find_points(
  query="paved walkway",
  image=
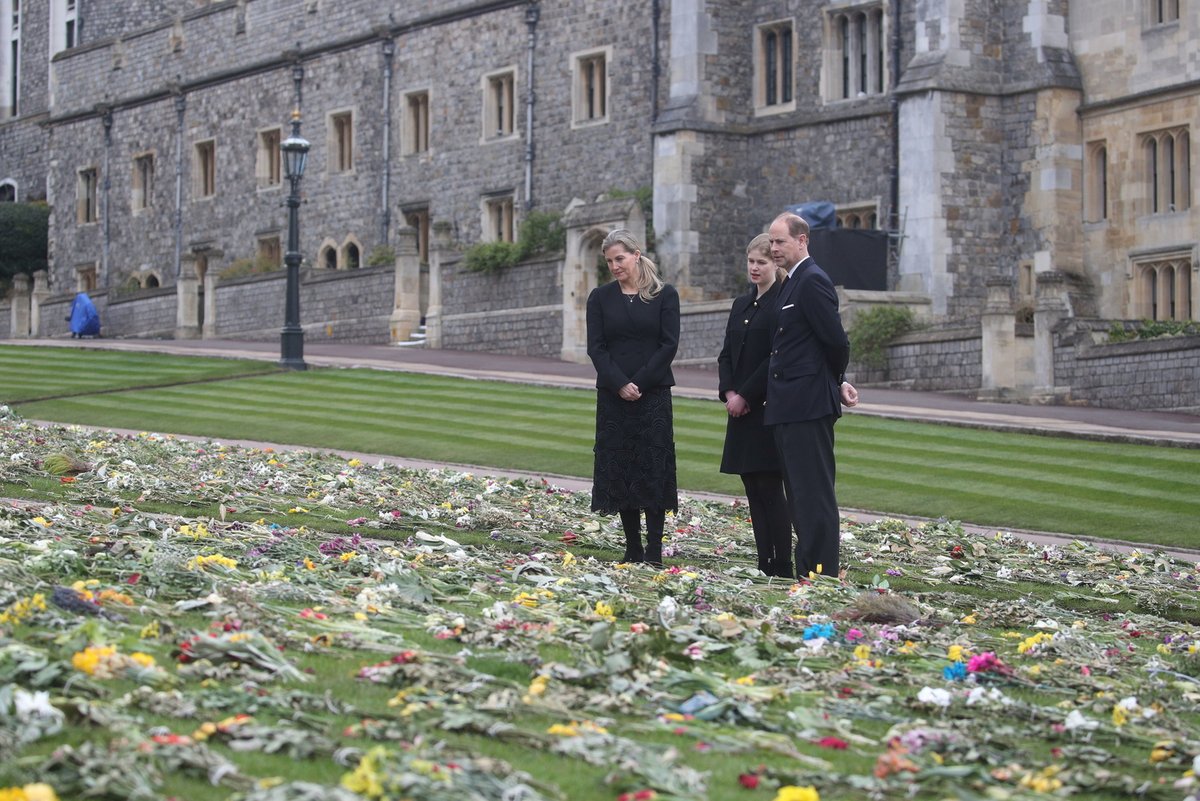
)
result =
(1161, 428)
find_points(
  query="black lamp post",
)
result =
(291, 339)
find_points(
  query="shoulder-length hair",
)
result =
(648, 282)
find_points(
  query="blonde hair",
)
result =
(648, 282)
(762, 244)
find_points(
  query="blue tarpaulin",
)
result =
(85, 321)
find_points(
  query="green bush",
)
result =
(381, 256)
(24, 232)
(1153, 329)
(540, 232)
(874, 329)
(249, 266)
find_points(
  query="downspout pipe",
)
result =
(532, 13)
(389, 54)
(656, 69)
(107, 119)
(180, 107)
(894, 102)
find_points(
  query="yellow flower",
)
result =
(955, 653)
(537, 688)
(1030, 643)
(969, 620)
(1120, 716)
(365, 779)
(1163, 750)
(348, 555)
(145, 660)
(605, 611)
(1043, 781)
(791, 792)
(862, 652)
(908, 647)
(568, 559)
(747, 681)
(149, 631)
(89, 658)
(308, 564)
(201, 562)
(41, 521)
(355, 462)
(526, 600)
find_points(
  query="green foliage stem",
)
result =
(874, 330)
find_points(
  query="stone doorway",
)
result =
(587, 224)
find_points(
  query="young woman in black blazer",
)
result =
(632, 336)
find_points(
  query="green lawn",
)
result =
(28, 373)
(1111, 490)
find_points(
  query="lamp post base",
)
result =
(291, 350)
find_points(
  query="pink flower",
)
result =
(982, 663)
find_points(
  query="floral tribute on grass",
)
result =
(198, 621)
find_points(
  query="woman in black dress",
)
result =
(632, 336)
(750, 445)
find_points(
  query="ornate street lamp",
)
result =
(291, 339)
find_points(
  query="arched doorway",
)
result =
(587, 225)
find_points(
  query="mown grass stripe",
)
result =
(986, 468)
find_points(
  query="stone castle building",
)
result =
(1028, 161)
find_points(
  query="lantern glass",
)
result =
(295, 155)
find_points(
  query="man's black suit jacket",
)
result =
(809, 352)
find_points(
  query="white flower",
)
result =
(816, 644)
(1077, 722)
(667, 609)
(934, 696)
(1004, 572)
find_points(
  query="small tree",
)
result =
(24, 232)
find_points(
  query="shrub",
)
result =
(540, 232)
(1153, 329)
(24, 232)
(381, 256)
(875, 329)
(249, 266)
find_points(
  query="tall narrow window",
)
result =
(774, 81)
(341, 142)
(267, 165)
(1163, 287)
(416, 138)
(14, 61)
(1168, 170)
(69, 24)
(1160, 12)
(591, 87)
(85, 278)
(86, 208)
(143, 182)
(499, 112)
(498, 219)
(418, 218)
(1095, 187)
(855, 63)
(205, 180)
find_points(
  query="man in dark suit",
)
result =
(809, 354)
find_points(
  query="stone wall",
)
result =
(518, 310)
(5, 319)
(342, 306)
(940, 360)
(1139, 374)
(147, 313)
(702, 332)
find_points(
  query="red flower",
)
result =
(134, 578)
(833, 742)
(749, 781)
